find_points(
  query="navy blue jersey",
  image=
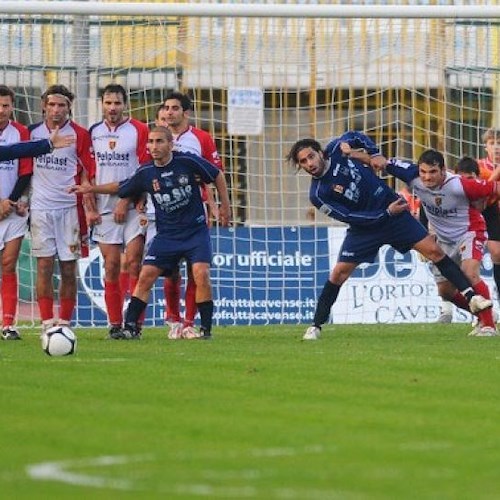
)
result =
(349, 191)
(24, 149)
(175, 191)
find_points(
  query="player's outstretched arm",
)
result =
(109, 188)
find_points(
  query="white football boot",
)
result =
(312, 333)
(175, 332)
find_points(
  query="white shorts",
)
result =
(11, 228)
(471, 246)
(55, 232)
(108, 231)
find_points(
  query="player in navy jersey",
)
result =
(182, 230)
(345, 189)
(175, 114)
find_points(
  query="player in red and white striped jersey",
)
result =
(57, 220)
(14, 179)
(119, 146)
(175, 114)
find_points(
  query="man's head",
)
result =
(491, 140)
(114, 101)
(160, 144)
(431, 168)
(467, 167)
(56, 105)
(6, 105)
(307, 154)
(175, 112)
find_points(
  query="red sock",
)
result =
(66, 308)
(460, 301)
(190, 298)
(172, 291)
(112, 298)
(486, 316)
(9, 298)
(46, 306)
(124, 280)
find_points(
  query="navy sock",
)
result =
(450, 270)
(134, 311)
(326, 300)
(206, 310)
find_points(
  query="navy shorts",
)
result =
(166, 253)
(401, 232)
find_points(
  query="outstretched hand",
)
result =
(378, 162)
(61, 141)
(397, 207)
(80, 188)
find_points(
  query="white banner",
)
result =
(397, 288)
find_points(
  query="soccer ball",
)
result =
(59, 341)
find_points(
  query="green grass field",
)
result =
(367, 412)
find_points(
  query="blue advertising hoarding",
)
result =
(259, 276)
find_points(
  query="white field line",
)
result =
(57, 471)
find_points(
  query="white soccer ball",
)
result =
(59, 341)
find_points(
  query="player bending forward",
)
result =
(344, 189)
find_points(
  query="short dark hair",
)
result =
(115, 88)
(7, 91)
(185, 101)
(432, 157)
(467, 165)
(61, 90)
(166, 131)
(301, 144)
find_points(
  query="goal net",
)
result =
(258, 84)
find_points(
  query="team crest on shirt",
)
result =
(156, 185)
(112, 144)
(438, 201)
(338, 188)
(183, 180)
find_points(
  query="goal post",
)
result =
(262, 75)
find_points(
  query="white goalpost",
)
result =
(261, 76)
